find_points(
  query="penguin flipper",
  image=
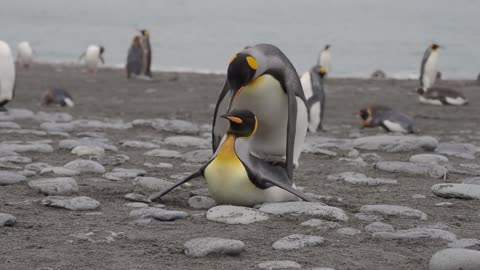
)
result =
(291, 131)
(220, 126)
(159, 194)
(422, 66)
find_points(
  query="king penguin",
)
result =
(137, 57)
(235, 176)
(24, 54)
(325, 58)
(429, 67)
(313, 87)
(441, 96)
(58, 96)
(92, 57)
(146, 42)
(390, 120)
(262, 79)
(7, 75)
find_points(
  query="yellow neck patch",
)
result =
(252, 62)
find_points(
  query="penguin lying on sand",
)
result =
(387, 118)
(235, 176)
(313, 87)
(58, 96)
(441, 96)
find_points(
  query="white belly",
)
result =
(266, 99)
(92, 56)
(24, 53)
(456, 101)
(315, 111)
(430, 72)
(7, 72)
(394, 127)
(306, 81)
(429, 101)
(325, 60)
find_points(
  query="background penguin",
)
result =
(262, 79)
(146, 42)
(24, 54)
(58, 96)
(92, 56)
(429, 67)
(387, 118)
(325, 58)
(313, 87)
(137, 57)
(7, 75)
(441, 96)
(234, 176)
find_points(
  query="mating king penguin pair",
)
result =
(428, 93)
(7, 75)
(258, 141)
(139, 57)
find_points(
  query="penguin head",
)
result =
(327, 47)
(322, 71)
(241, 70)
(421, 91)
(243, 123)
(434, 46)
(144, 32)
(102, 49)
(366, 117)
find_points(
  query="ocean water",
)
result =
(193, 35)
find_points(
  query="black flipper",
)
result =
(159, 194)
(422, 65)
(220, 126)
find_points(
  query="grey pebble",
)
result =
(455, 259)
(121, 173)
(297, 241)
(84, 150)
(136, 197)
(136, 205)
(199, 192)
(422, 169)
(152, 183)
(57, 127)
(379, 227)
(37, 166)
(16, 114)
(188, 141)
(71, 203)
(305, 208)
(161, 165)
(461, 150)
(91, 142)
(157, 214)
(272, 265)
(16, 159)
(55, 186)
(472, 181)
(7, 220)
(11, 125)
(201, 247)
(389, 143)
(138, 144)
(348, 231)
(393, 210)
(53, 117)
(59, 171)
(197, 156)
(113, 160)
(320, 224)
(460, 191)
(11, 178)
(360, 179)
(175, 125)
(230, 214)
(428, 158)
(417, 233)
(20, 148)
(164, 153)
(469, 243)
(201, 202)
(85, 166)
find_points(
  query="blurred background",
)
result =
(201, 36)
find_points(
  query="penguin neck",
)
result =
(228, 147)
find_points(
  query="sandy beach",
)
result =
(52, 238)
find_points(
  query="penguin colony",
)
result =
(261, 117)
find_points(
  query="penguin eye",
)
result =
(232, 59)
(252, 62)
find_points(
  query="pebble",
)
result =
(197, 156)
(379, 227)
(16, 114)
(16, 159)
(418, 196)
(389, 143)
(96, 124)
(20, 148)
(465, 169)
(157, 214)
(348, 231)
(27, 173)
(460, 191)
(57, 127)
(37, 166)
(138, 144)
(175, 125)
(422, 169)
(428, 158)
(199, 192)
(92, 142)
(188, 141)
(455, 259)
(322, 198)
(136, 205)
(121, 173)
(472, 181)
(461, 150)
(112, 160)
(371, 157)
(444, 204)
(360, 179)
(11, 125)
(85, 166)
(272, 265)
(393, 210)
(297, 241)
(417, 233)
(161, 165)
(8, 153)
(305, 208)
(7, 220)
(320, 224)
(10, 178)
(200, 247)
(83, 150)
(152, 183)
(469, 243)
(53, 117)
(201, 202)
(136, 197)
(319, 151)
(230, 214)
(59, 171)
(368, 217)
(163, 153)
(55, 186)
(71, 203)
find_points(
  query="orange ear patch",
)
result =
(252, 62)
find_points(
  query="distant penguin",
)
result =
(441, 96)
(7, 75)
(324, 59)
(24, 54)
(313, 87)
(387, 118)
(58, 96)
(92, 56)
(378, 75)
(146, 42)
(429, 66)
(137, 58)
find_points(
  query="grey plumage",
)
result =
(387, 118)
(317, 77)
(136, 59)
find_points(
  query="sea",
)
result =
(201, 36)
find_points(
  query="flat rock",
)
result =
(11, 178)
(160, 165)
(71, 203)
(99, 142)
(348, 231)
(272, 265)
(201, 202)
(428, 158)
(461, 150)
(297, 241)
(83, 150)
(157, 214)
(368, 217)
(15, 159)
(164, 153)
(21, 148)
(472, 181)
(136, 197)
(16, 114)
(416, 233)
(138, 144)
(7, 220)
(319, 151)
(379, 227)
(460, 191)
(121, 173)
(305, 208)
(175, 126)
(455, 259)
(197, 156)
(393, 210)
(360, 179)
(201, 247)
(188, 141)
(57, 127)
(136, 205)
(320, 224)
(55, 186)
(37, 166)
(10, 125)
(396, 143)
(85, 166)
(469, 243)
(471, 169)
(113, 160)
(423, 169)
(59, 171)
(152, 183)
(230, 214)
(97, 124)
(53, 117)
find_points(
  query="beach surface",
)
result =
(110, 238)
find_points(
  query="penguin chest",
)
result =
(306, 81)
(227, 179)
(431, 70)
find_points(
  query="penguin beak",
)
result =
(233, 119)
(236, 94)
